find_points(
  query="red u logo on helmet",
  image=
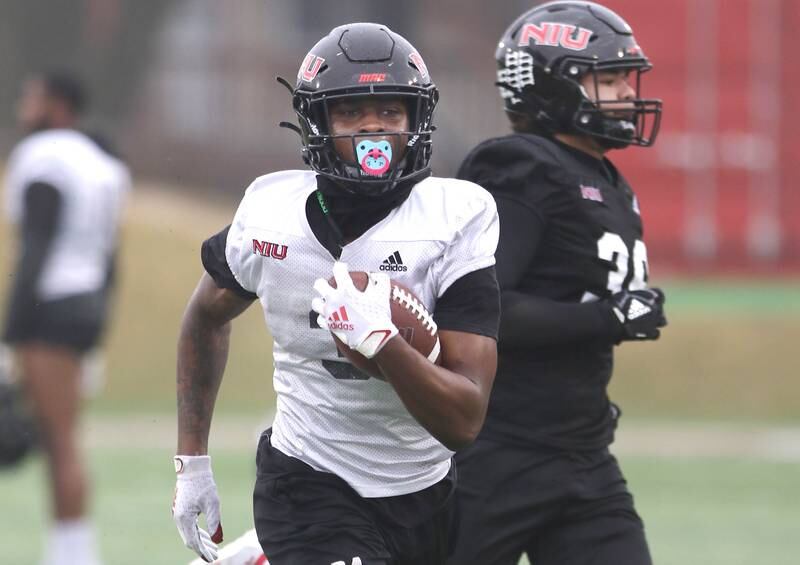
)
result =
(310, 67)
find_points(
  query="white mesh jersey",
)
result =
(355, 428)
(92, 185)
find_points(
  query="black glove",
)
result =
(639, 312)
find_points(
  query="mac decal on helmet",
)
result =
(545, 53)
(355, 60)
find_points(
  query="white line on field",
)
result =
(654, 439)
(663, 439)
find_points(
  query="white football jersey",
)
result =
(358, 429)
(92, 185)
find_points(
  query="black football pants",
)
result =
(306, 517)
(559, 507)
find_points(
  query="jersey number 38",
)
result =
(612, 248)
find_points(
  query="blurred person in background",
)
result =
(356, 469)
(64, 192)
(573, 273)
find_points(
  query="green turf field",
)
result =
(703, 511)
(726, 361)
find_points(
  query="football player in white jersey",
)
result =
(64, 191)
(354, 469)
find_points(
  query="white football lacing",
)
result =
(415, 307)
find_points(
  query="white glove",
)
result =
(361, 319)
(195, 494)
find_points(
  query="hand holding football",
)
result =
(414, 323)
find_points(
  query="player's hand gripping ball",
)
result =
(364, 311)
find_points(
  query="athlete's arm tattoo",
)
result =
(202, 355)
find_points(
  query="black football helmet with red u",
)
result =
(356, 60)
(546, 52)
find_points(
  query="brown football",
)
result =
(414, 323)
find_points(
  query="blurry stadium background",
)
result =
(710, 439)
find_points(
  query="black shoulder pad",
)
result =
(507, 164)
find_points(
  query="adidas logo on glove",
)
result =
(339, 320)
(637, 309)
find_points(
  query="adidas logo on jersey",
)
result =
(637, 309)
(339, 320)
(393, 263)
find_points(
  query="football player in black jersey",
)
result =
(573, 272)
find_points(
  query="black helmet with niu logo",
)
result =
(356, 60)
(546, 52)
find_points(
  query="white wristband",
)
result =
(189, 465)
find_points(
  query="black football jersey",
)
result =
(570, 236)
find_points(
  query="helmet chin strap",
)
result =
(619, 142)
(619, 132)
(607, 131)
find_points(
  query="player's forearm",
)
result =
(37, 235)
(449, 405)
(530, 321)
(22, 300)
(202, 355)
